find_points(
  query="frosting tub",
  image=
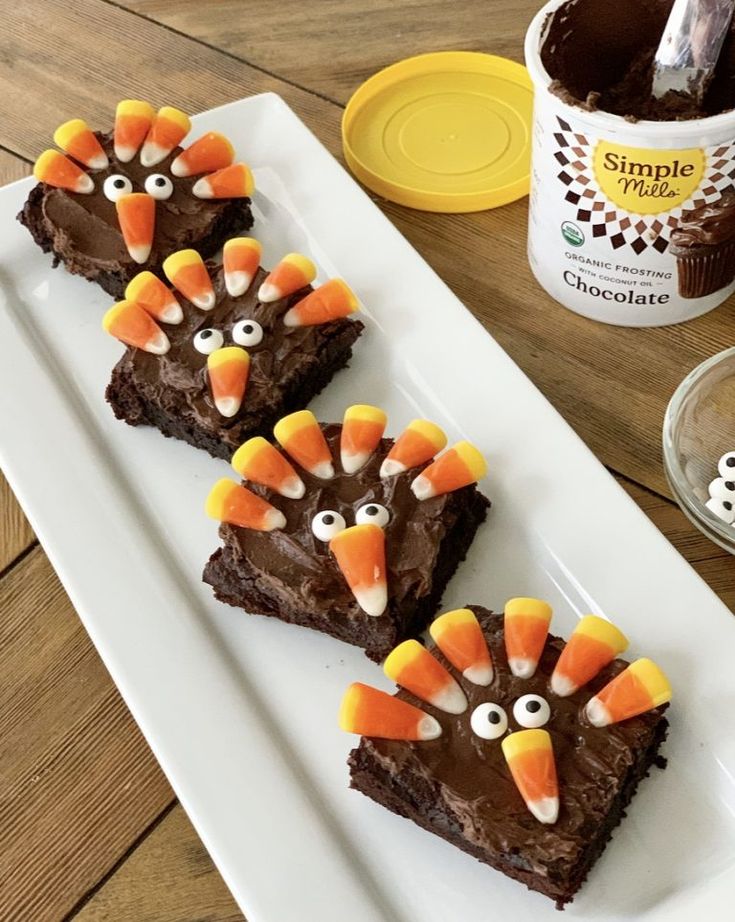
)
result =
(632, 208)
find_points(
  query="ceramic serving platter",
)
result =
(241, 711)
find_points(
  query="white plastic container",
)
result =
(606, 194)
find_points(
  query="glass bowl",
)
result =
(699, 427)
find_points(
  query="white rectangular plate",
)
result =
(241, 711)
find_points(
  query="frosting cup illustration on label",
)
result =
(632, 221)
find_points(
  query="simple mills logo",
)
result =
(634, 196)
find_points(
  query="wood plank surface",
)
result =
(88, 826)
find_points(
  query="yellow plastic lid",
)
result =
(449, 131)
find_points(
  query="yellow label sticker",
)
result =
(645, 181)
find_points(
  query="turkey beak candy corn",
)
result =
(189, 276)
(240, 261)
(170, 126)
(77, 140)
(228, 369)
(331, 301)
(234, 504)
(259, 461)
(360, 555)
(300, 435)
(59, 171)
(370, 712)
(292, 273)
(362, 429)
(131, 324)
(456, 468)
(416, 445)
(133, 120)
(136, 213)
(639, 688)
(594, 643)
(530, 758)
(526, 628)
(459, 636)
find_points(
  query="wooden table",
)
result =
(89, 828)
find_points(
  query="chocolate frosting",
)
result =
(178, 383)
(298, 569)
(470, 777)
(600, 55)
(707, 225)
(85, 228)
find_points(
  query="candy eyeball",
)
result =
(531, 711)
(726, 466)
(720, 488)
(327, 524)
(159, 186)
(208, 341)
(372, 514)
(115, 186)
(247, 333)
(489, 721)
(723, 508)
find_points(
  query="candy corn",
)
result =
(170, 126)
(240, 260)
(594, 643)
(411, 666)
(292, 273)
(261, 462)
(210, 152)
(133, 120)
(128, 322)
(526, 626)
(234, 181)
(77, 140)
(236, 505)
(416, 445)
(530, 758)
(370, 712)
(57, 170)
(362, 430)
(463, 464)
(136, 213)
(459, 636)
(188, 274)
(228, 370)
(360, 554)
(149, 291)
(301, 436)
(639, 688)
(330, 301)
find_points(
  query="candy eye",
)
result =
(207, 341)
(247, 333)
(159, 186)
(723, 508)
(489, 721)
(531, 711)
(116, 186)
(720, 488)
(327, 524)
(372, 514)
(726, 465)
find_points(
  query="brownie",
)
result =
(703, 243)
(83, 232)
(290, 574)
(287, 369)
(459, 787)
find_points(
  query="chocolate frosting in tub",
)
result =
(599, 54)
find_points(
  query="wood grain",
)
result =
(78, 783)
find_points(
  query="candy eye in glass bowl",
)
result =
(698, 435)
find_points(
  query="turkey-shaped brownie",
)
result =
(343, 530)
(231, 348)
(517, 747)
(109, 204)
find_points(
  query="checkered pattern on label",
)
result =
(639, 232)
